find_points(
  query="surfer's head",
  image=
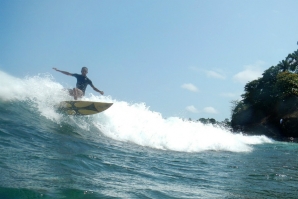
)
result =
(84, 71)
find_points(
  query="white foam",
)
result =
(128, 122)
(39, 91)
(136, 123)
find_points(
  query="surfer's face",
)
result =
(84, 71)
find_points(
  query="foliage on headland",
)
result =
(270, 100)
(225, 123)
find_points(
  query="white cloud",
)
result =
(192, 109)
(251, 72)
(214, 74)
(190, 87)
(210, 110)
(218, 74)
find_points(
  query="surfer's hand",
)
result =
(101, 92)
(55, 69)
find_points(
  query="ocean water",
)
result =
(129, 151)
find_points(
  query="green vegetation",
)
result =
(226, 123)
(263, 95)
(207, 121)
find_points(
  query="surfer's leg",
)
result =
(79, 93)
(70, 91)
(75, 94)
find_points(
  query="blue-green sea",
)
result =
(129, 151)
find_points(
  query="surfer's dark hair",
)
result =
(85, 68)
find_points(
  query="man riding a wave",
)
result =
(82, 83)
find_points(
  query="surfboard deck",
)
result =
(83, 107)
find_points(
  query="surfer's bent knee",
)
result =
(76, 93)
(79, 92)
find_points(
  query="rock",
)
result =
(281, 123)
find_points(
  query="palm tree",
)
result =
(283, 66)
(289, 58)
(294, 62)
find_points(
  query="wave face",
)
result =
(126, 122)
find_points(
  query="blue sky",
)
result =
(182, 58)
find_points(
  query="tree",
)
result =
(252, 92)
(207, 121)
(293, 61)
(262, 95)
(212, 121)
(286, 85)
(203, 120)
(283, 66)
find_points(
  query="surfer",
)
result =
(82, 83)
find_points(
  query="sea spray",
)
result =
(136, 123)
(40, 92)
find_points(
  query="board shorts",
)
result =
(79, 92)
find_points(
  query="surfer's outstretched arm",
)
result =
(94, 88)
(64, 72)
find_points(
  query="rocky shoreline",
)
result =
(281, 124)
